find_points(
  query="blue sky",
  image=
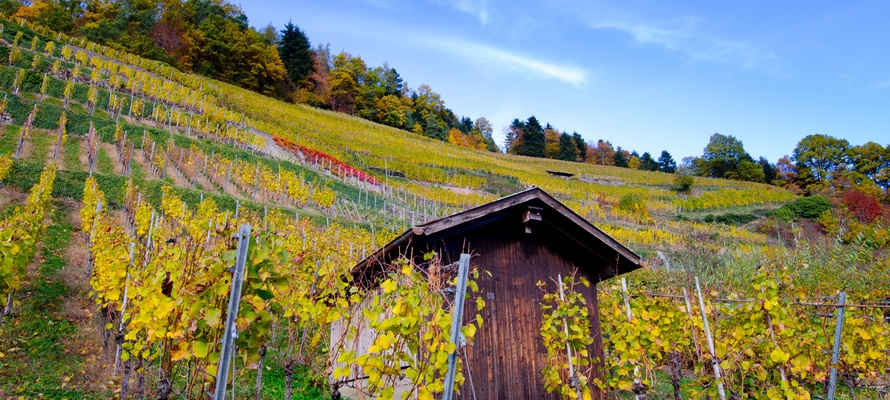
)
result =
(645, 75)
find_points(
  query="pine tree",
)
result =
(568, 150)
(513, 141)
(581, 145)
(769, 169)
(666, 163)
(296, 52)
(647, 163)
(620, 158)
(533, 140)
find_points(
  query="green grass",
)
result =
(76, 108)
(71, 155)
(273, 384)
(40, 144)
(7, 210)
(662, 389)
(136, 171)
(100, 114)
(53, 100)
(104, 163)
(8, 139)
(36, 362)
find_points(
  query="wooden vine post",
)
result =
(691, 324)
(638, 388)
(119, 337)
(565, 328)
(704, 317)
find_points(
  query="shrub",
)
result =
(683, 181)
(864, 207)
(806, 207)
(785, 214)
(730, 219)
(829, 223)
(631, 203)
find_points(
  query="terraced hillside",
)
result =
(173, 163)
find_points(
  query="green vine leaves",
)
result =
(565, 329)
(406, 320)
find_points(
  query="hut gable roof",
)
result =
(589, 247)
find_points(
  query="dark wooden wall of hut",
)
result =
(507, 355)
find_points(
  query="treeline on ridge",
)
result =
(213, 38)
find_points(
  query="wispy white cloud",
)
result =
(882, 85)
(685, 38)
(493, 57)
(688, 36)
(478, 9)
(383, 4)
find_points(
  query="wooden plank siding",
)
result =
(519, 240)
(507, 357)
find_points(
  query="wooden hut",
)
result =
(520, 239)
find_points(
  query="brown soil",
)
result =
(78, 309)
(52, 150)
(83, 154)
(174, 173)
(460, 190)
(125, 222)
(208, 184)
(27, 148)
(140, 158)
(11, 197)
(200, 181)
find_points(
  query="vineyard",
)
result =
(219, 228)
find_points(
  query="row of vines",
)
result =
(20, 234)
(776, 344)
(161, 285)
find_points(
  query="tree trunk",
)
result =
(165, 387)
(140, 379)
(125, 381)
(675, 375)
(8, 309)
(639, 389)
(259, 372)
(288, 379)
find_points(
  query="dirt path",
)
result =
(173, 172)
(52, 151)
(83, 155)
(9, 197)
(50, 343)
(27, 147)
(188, 173)
(207, 184)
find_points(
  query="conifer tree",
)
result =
(581, 145)
(568, 150)
(620, 158)
(533, 141)
(666, 162)
(296, 52)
